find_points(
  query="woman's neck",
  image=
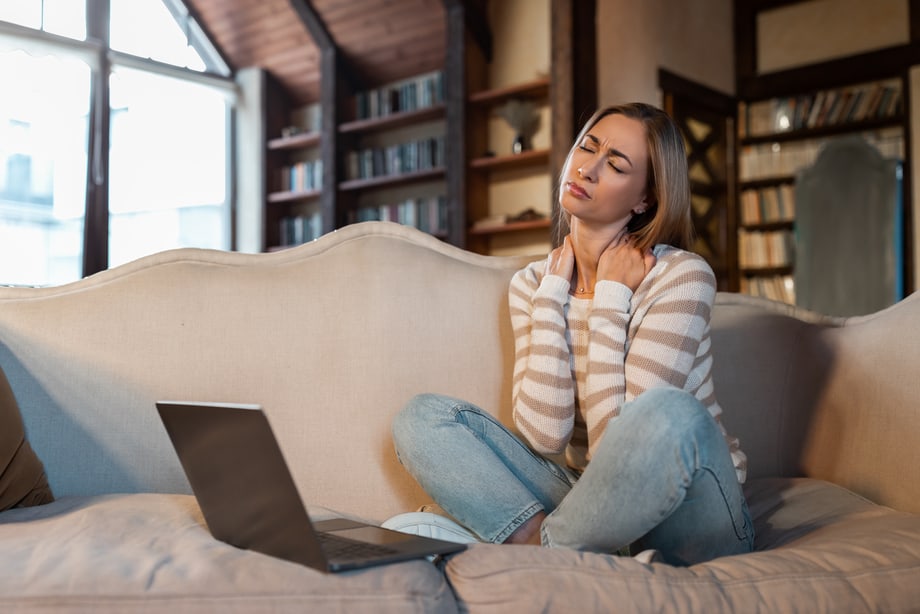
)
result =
(588, 247)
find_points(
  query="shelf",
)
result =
(512, 227)
(288, 196)
(538, 88)
(765, 182)
(766, 271)
(824, 131)
(304, 139)
(532, 157)
(394, 120)
(390, 180)
(766, 226)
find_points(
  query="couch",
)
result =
(332, 338)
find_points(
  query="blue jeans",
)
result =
(661, 477)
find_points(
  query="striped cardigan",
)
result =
(577, 361)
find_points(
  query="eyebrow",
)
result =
(610, 152)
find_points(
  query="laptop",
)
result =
(249, 499)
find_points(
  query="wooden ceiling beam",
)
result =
(477, 23)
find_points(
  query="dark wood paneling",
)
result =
(377, 41)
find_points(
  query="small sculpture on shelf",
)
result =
(524, 119)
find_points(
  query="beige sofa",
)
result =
(332, 338)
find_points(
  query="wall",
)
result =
(635, 39)
(847, 27)
(249, 165)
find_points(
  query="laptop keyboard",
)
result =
(342, 548)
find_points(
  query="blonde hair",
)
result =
(667, 217)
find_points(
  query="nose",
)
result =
(588, 171)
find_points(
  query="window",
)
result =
(142, 144)
(43, 144)
(167, 187)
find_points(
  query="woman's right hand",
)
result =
(624, 263)
(561, 261)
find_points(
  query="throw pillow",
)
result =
(22, 476)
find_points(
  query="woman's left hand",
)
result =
(624, 263)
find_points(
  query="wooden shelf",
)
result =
(825, 131)
(766, 271)
(394, 120)
(765, 182)
(512, 227)
(304, 139)
(290, 196)
(538, 88)
(766, 226)
(532, 157)
(390, 180)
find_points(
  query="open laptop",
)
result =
(249, 499)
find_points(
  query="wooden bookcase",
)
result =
(463, 170)
(485, 168)
(784, 118)
(781, 136)
(391, 159)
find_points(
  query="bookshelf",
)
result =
(493, 163)
(367, 132)
(393, 162)
(295, 180)
(781, 136)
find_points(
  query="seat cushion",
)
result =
(820, 548)
(22, 476)
(153, 553)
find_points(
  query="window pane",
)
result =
(24, 12)
(147, 29)
(66, 18)
(43, 142)
(167, 166)
(63, 17)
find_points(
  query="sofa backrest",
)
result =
(333, 337)
(830, 398)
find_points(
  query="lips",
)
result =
(576, 190)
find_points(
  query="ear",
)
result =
(641, 207)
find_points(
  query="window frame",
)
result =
(101, 58)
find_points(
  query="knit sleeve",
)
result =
(656, 345)
(543, 394)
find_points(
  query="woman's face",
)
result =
(605, 176)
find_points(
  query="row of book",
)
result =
(302, 176)
(297, 229)
(765, 249)
(824, 108)
(422, 154)
(774, 287)
(427, 214)
(772, 160)
(407, 95)
(768, 205)
(776, 159)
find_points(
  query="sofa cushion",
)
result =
(153, 553)
(22, 476)
(820, 548)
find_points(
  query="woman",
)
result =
(612, 368)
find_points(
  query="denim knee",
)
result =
(671, 413)
(418, 416)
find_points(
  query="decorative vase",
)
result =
(520, 144)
